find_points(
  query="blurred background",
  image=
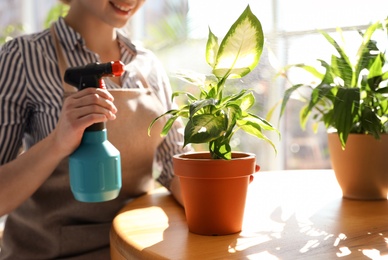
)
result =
(177, 30)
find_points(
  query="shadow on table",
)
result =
(333, 231)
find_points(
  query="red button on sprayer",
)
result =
(117, 68)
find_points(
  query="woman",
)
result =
(45, 221)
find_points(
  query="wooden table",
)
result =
(289, 215)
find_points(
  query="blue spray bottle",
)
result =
(95, 166)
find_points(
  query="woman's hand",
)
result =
(32, 168)
(80, 110)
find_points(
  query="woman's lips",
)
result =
(123, 8)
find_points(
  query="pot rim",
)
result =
(359, 136)
(200, 154)
(193, 165)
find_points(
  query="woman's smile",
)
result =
(121, 7)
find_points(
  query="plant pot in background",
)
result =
(362, 168)
(214, 191)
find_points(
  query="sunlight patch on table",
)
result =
(145, 235)
(244, 243)
(263, 255)
(373, 254)
(313, 243)
(339, 238)
(344, 251)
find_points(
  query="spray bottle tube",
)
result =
(95, 166)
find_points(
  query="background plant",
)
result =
(9, 32)
(351, 96)
(213, 117)
(55, 12)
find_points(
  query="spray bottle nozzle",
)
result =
(117, 68)
(90, 74)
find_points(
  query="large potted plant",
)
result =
(350, 99)
(214, 182)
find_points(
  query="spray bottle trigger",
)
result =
(101, 83)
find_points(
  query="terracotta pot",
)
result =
(214, 191)
(362, 168)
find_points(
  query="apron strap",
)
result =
(140, 76)
(62, 63)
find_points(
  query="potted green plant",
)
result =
(350, 99)
(212, 117)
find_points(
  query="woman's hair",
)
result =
(65, 1)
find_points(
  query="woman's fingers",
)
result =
(79, 111)
(90, 91)
(93, 104)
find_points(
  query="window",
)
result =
(291, 31)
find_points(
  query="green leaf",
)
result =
(203, 129)
(244, 100)
(168, 125)
(247, 101)
(374, 82)
(188, 94)
(232, 112)
(364, 51)
(385, 76)
(264, 124)
(171, 112)
(198, 105)
(318, 94)
(211, 49)
(220, 149)
(313, 71)
(234, 98)
(341, 68)
(287, 96)
(383, 90)
(346, 107)
(241, 48)
(375, 73)
(371, 123)
(191, 77)
(340, 50)
(174, 114)
(328, 77)
(254, 125)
